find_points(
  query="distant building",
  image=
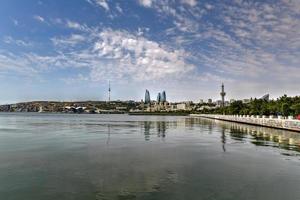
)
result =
(205, 108)
(246, 100)
(121, 108)
(219, 103)
(181, 106)
(147, 97)
(223, 93)
(227, 103)
(201, 101)
(266, 97)
(209, 101)
(158, 97)
(163, 97)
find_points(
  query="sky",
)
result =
(70, 50)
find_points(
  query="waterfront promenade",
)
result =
(273, 122)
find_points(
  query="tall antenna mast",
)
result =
(223, 93)
(109, 91)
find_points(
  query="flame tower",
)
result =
(147, 97)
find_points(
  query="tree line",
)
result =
(285, 106)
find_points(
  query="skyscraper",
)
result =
(163, 97)
(222, 95)
(159, 97)
(147, 97)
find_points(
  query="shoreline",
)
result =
(283, 124)
(160, 113)
(108, 113)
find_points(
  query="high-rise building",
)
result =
(158, 97)
(209, 101)
(223, 95)
(147, 97)
(163, 97)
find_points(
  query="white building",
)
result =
(181, 106)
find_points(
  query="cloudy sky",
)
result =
(69, 50)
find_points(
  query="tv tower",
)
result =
(109, 91)
(223, 93)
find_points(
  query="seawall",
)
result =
(286, 124)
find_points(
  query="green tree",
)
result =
(265, 109)
(236, 107)
(296, 108)
(285, 109)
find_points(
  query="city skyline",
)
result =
(63, 50)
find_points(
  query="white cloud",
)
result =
(208, 6)
(39, 18)
(119, 9)
(244, 41)
(146, 3)
(139, 58)
(101, 3)
(77, 26)
(11, 40)
(71, 40)
(255, 41)
(16, 22)
(10, 63)
(185, 18)
(190, 2)
(74, 25)
(114, 54)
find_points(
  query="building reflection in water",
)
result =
(223, 139)
(158, 128)
(147, 127)
(257, 135)
(266, 136)
(161, 128)
(108, 134)
(261, 136)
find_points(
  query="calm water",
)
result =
(56, 156)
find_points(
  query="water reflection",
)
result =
(108, 134)
(266, 136)
(106, 157)
(260, 136)
(223, 139)
(160, 128)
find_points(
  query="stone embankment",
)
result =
(270, 121)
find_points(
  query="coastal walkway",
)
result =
(272, 122)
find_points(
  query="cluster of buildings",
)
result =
(152, 106)
(210, 104)
(161, 104)
(147, 105)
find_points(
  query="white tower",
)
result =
(223, 95)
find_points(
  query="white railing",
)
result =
(288, 123)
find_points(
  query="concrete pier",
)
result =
(271, 121)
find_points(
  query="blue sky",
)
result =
(69, 50)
